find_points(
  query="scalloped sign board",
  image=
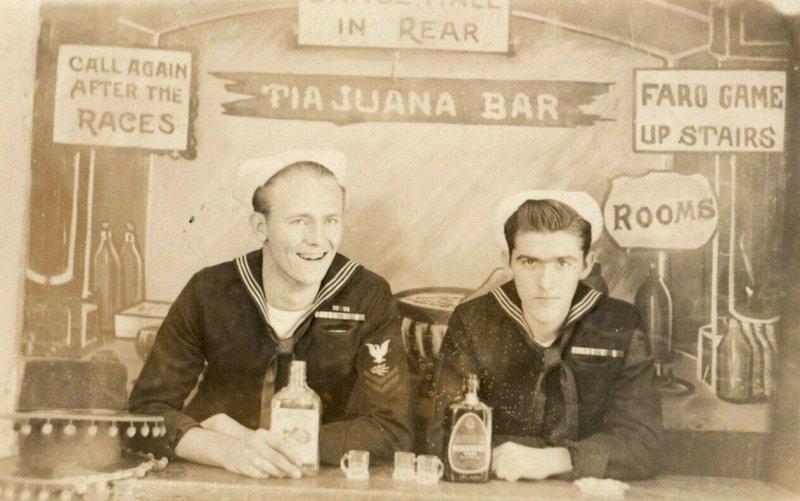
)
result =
(122, 97)
(709, 111)
(661, 210)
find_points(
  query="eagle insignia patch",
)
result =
(380, 377)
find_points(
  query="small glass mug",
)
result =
(355, 465)
(404, 466)
(429, 469)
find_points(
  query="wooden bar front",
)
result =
(189, 481)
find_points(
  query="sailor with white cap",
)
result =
(242, 322)
(256, 172)
(566, 368)
(579, 201)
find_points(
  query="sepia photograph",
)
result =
(400, 249)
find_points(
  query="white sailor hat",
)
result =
(581, 202)
(255, 172)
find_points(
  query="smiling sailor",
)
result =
(567, 370)
(240, 324)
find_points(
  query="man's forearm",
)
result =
(227, 425)
(512, 461)
(560, 460)
(204, 446)
(255, 453)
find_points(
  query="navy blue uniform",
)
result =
(592, 391)
(218, 327)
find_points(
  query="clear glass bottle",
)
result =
(296, 410)
(468, 436)
(132, 270)
(106, 283)
(758, 361)
(735, 365)
(654, 305)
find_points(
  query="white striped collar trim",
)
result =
(251, 284)
(326, 292)
(583, 306)
(577, 310)
(511, 309)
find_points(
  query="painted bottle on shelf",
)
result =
(735, 365)
(132, 269)
(295, 415)
(770, 354)
(758, 361)
(653, 303)
(106, 283)
(468, 437)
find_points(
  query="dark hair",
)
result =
(547, 216)
(260, 201)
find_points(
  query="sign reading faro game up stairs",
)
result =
(709, 111)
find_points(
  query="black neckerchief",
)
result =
(583, 301)
(249, 267)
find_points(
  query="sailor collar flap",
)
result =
(583, 302)
(249, 268)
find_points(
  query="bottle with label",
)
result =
(468, 437)
(296, 414)
(106, 283)
(655, 307)
(132, 270)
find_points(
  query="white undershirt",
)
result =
(546, 344)
(283, 322)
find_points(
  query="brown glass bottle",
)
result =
(106, 280)
(131, 270)
(468, 437)
(653, 302)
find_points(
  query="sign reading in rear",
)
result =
(464, 25)
(709, 111)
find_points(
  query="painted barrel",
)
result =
(425, 313)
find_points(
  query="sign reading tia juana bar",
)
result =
(709, 111)
(348, 99)
(123, 97)
(661, 210)
(466, 25)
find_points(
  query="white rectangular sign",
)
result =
(122, 97)
(709, 111)
(464, 25)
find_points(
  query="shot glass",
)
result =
(355, 465)
(429, 469)
(404, 466)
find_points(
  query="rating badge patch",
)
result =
(380, 377)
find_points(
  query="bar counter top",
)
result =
(182, 480)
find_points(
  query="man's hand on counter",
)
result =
(227, 444)
(511, 461)
(223, 423)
